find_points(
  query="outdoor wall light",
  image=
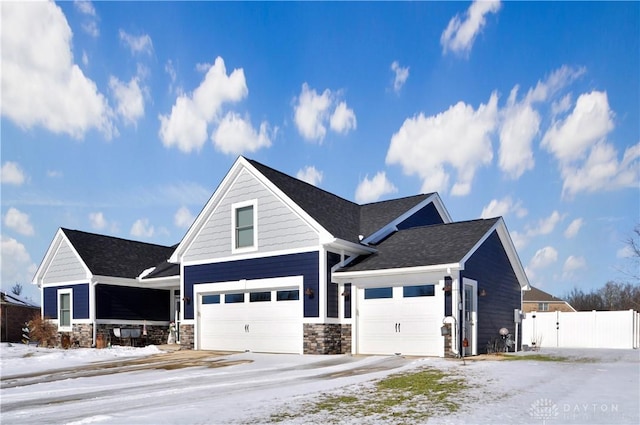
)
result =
(482, 292)
(309, 292)
(187, 300)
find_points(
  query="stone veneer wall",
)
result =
(82, 335)
(186, 337)
(447, 343)
(326, 338)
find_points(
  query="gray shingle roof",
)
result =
(424, 246)
(342, 218)
(111, 256)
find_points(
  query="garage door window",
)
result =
(418, 291)
(211, 299)
(293, 295)
(259, 296)
(376, 293)
(234, 298)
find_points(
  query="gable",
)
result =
(63, 263)
(278, 226)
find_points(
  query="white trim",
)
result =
(474, 314)
(59, 292)
(66, 283)
(253, 203)
(251, 256)
(346, 276)
(501, 229)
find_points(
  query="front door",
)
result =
(469, 311)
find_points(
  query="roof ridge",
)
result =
(419, 195)
(475, 220)
(64, 229)
(314, 187)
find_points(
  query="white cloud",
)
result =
(519, 240)
(18, 221)
(310, 175)
(17, 265)
(183, 217)
(587, 162)
(311, 113)
(625, 252)
(520, 124)
(129, 99)
(459, 35)
(544, 257)
(502, 207)
(54, 174)
(11, 173)
(90, 24)
(41, 85)
(374, 189)
(142, 229)
(186, 126)
(137, 44)
(459, 138)
(171, 71)
(401, 75)
(97, 220)
(556, 81)
(545, 225)
(573, 228)
(589, 123)
(235, 135)
(343, 119)
(571, 265)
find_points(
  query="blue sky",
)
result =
(122, 118)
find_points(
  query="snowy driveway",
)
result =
(145, 386)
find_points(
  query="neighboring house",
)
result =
(92, 283)
(537, 300)
(14, 313)
(274, 264)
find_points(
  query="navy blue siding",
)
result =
(128, 303)
(80, 301)
(491, 268)
(304, 264)
(332, 288)
(423, 217)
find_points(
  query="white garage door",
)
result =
(259, 320)
(400, 320)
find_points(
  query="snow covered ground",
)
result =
(144, 386)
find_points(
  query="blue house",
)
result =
(273, 264)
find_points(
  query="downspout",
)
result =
(92, 312)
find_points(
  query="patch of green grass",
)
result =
(405, 398)
(547, 358)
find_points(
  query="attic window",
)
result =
(244, 226)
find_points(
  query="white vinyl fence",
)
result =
(582, 329)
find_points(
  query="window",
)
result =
(244, 226)
(211, 299)
(375, 293)
(64, 309)
(418, 291)
(255, 297)
(234, 298)
(543, 306)
(293, 295)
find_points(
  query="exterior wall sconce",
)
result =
(447, 287)
(482, 292)
(187, 300)
(346, 293)
(309, 292)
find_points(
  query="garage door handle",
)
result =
(397, 327)
(246, 328)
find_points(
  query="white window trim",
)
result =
(234, 207)
(68, 291)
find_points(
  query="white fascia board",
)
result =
(58, 239)
(311, 222)
(501, 228)
(393, 225)
(201, 219)
(347, 277)
(249, 256)
(351, 247)
(161, 282)
(117, 281)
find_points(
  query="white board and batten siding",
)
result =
(278, 226)
(65, 266)
(582, 329)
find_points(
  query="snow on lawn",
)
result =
(586, 387)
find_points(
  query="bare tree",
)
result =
(17, 289)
